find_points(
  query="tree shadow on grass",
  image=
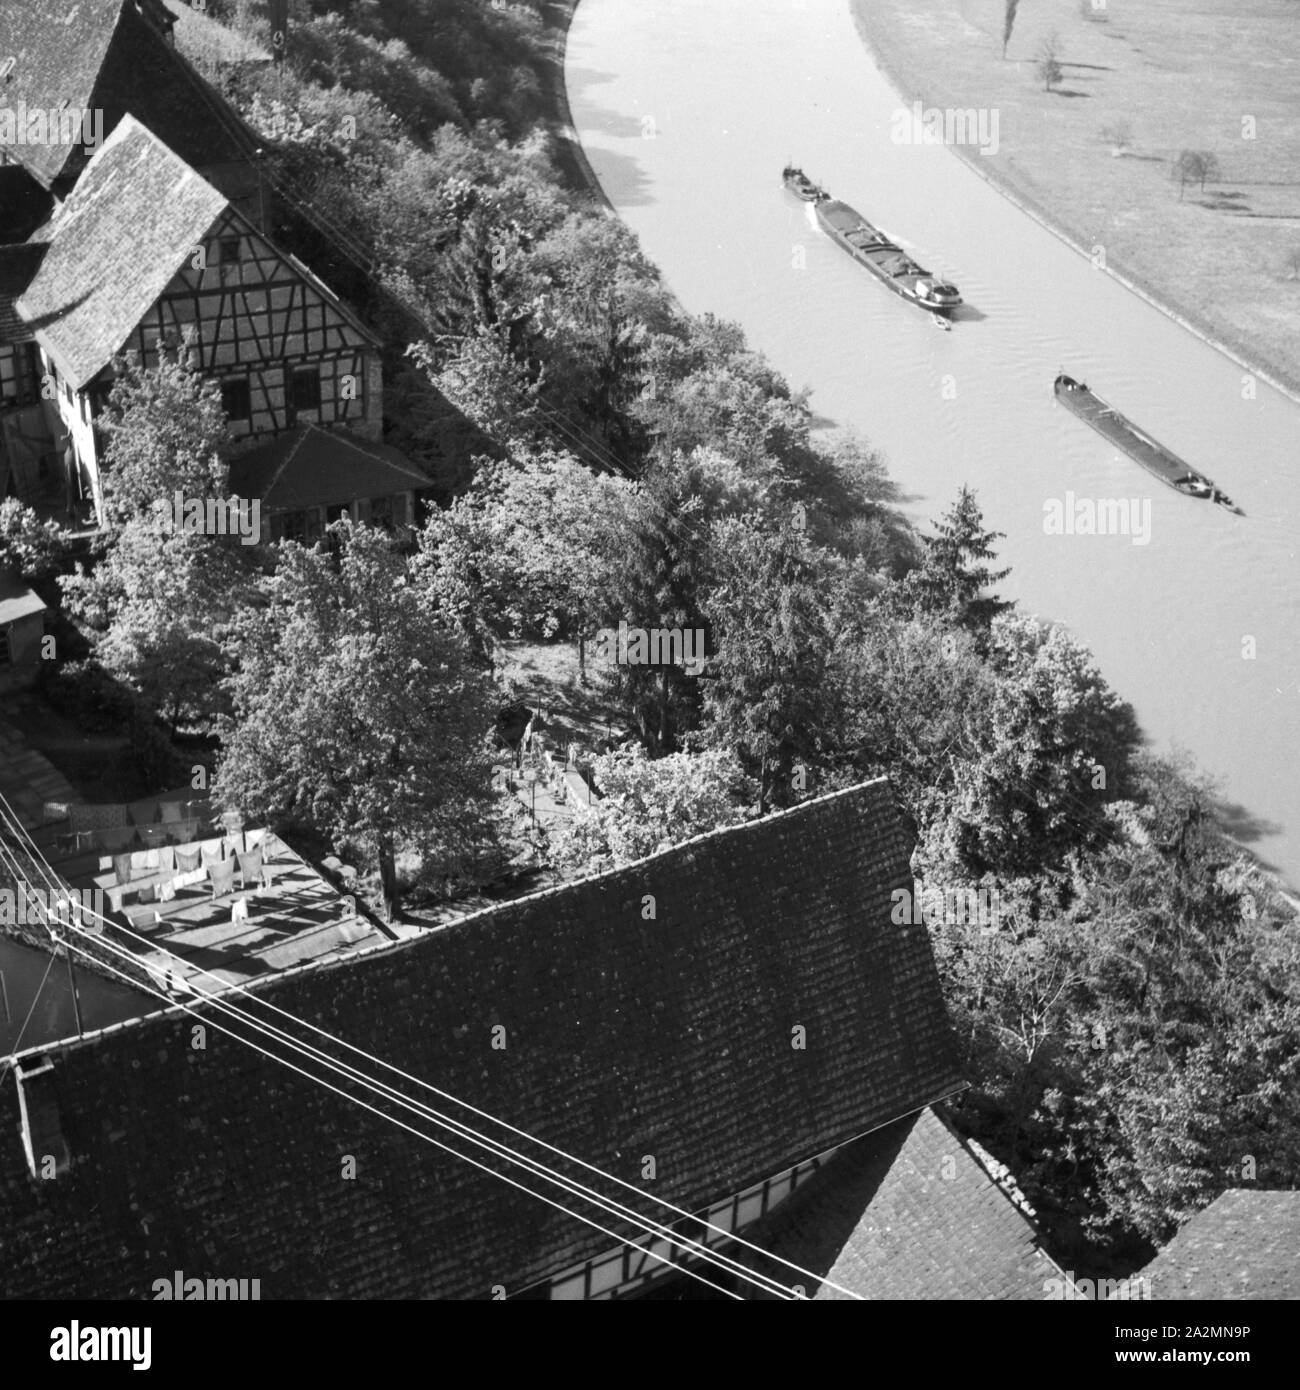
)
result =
(1069, 92)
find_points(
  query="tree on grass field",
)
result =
(1118, 135)
(356, 713)
(1194, 166)
(1008, 23)
(1048, 61)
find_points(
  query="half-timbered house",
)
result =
(144, 252)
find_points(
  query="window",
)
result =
(228, 249)
(235, 398)
(303, 527)
(306, 389)
(381, 512)
(6, 656)
(20, 382)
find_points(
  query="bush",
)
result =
(30, 547)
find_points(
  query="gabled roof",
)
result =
(908, 1212)
(312, 467)
(625, 1037)
(133, 218)
(1243, 1245)
(111, 56)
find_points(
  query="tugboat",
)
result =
(887, 262)
(802, 186)
(1125, 435)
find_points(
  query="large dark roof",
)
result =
(1243, 1245)
(18, 267)
(625, 1038)
(134, 216)
(908, 1212)
(106, 55)
(312, 467)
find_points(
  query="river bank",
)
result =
(570, 158)
(1220, 260)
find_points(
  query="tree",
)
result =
(526, 551)
(1008, 23)
(166, 433)
(955, 572)
(648, 805)
(482, 377)
(356, 712)
(1194, 166)
(161, 603)
(768, 697)
(1052, 747)
(1048, 61)
(29, 547)
(1118, 135)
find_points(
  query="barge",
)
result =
(889, 263)
(1136, 443)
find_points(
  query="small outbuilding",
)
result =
(22, 625)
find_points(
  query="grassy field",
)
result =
(1221, 76)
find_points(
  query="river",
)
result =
(688, 110)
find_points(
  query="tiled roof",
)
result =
(18, 266)
(625, 1037)
(134, 216)
(312, 467)
(908, 1212)
(1243, 1245)
(106, 55)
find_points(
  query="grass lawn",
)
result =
(545, 676)
(1182, 74)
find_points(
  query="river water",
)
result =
(688, 110)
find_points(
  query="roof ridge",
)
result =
(553, 890)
